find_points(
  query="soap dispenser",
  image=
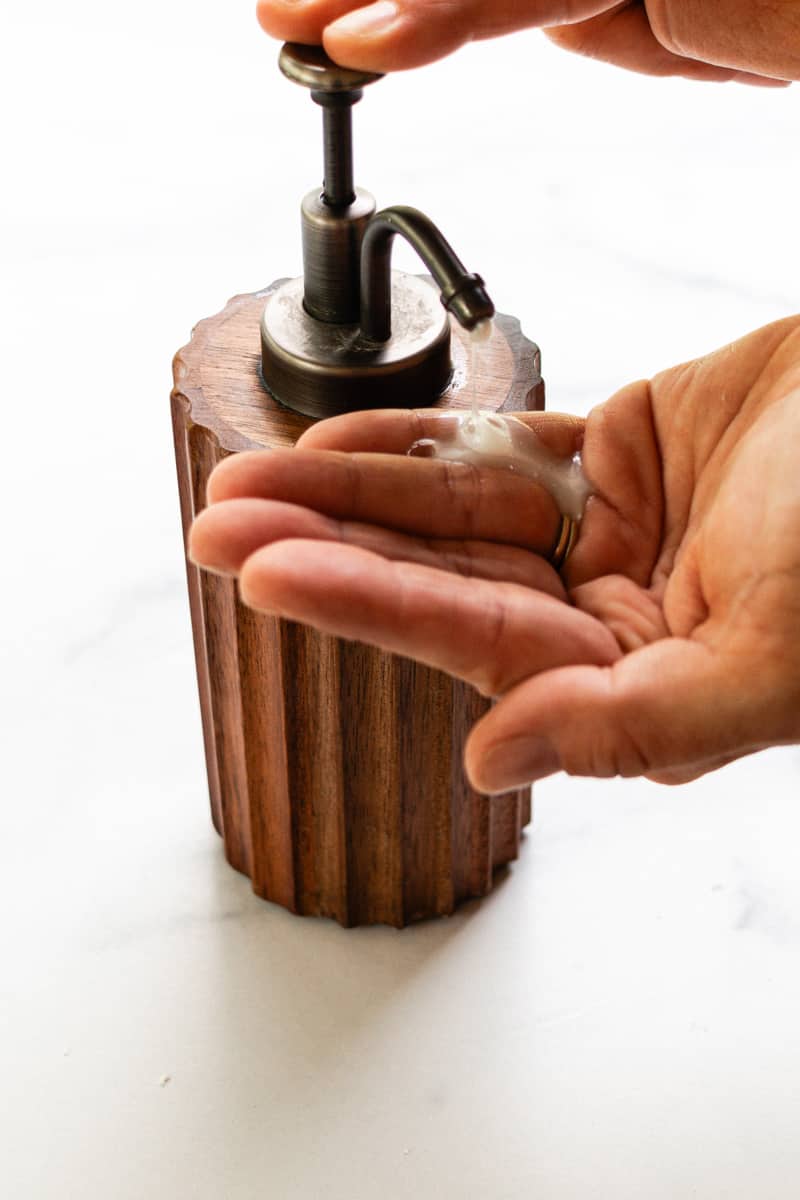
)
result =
(335, 769)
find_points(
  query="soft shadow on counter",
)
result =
(322, 985)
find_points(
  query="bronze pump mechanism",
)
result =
(353, 334)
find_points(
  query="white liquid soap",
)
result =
(479, 337)
(489, 439)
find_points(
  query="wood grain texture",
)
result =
(335, 769)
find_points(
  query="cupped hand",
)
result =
(672, 643)
(746, 40)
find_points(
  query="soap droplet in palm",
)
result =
(494, 440)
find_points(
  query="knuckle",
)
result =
(463, 487)
(666, 29)
(490, 674)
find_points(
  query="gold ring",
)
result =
(567, 536)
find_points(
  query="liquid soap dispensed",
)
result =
(335, 769)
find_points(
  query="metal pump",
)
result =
(352, 333)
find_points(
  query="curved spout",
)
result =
(463, 294)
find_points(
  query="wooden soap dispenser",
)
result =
(335, 769)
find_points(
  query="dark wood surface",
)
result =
(334, 769)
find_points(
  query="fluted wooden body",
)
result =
(335, 770)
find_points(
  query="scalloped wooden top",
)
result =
(218, 381)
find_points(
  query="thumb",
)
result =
(671, 711)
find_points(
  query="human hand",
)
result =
(673, 643)
(746, 40)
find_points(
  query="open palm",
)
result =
(673, 642)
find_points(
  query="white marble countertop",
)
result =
(620, 1019)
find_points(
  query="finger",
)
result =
(731, 34)
(632, 613)
(304, 22)
(624, 36)
(622, 530)
(489, 634)
(669, 707)
(394, 430)
(393, 35)
(226, 534)
(425, 497)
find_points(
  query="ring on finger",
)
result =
(565, 540)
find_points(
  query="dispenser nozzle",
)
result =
(463, 294)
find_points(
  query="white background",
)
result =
(620, 1018)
